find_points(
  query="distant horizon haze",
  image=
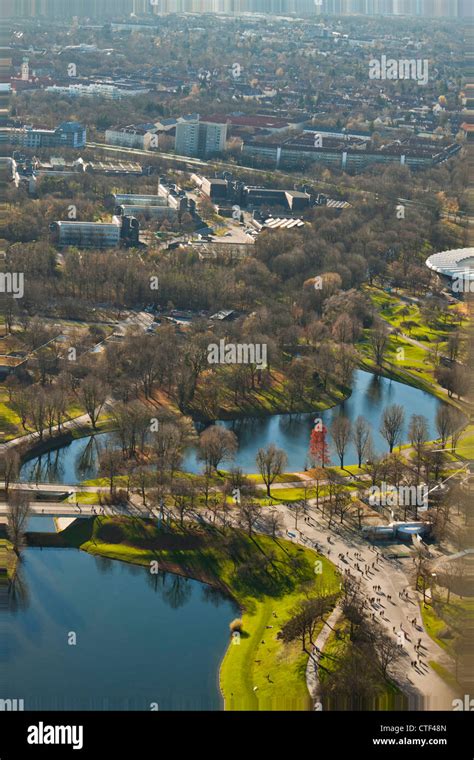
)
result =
(118, 9)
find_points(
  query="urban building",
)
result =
(97, 90)
(214, 188)
(456, 266)
(95, 234)
(8, 172)
(69, 134)
(131, 199)
(290, 199)
(130, 137)
(200, 138)
(350, 155)
(150, 206)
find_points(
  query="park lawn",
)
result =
(402, 375)
(433, 624)
(8, 558)
(442, 620)
(119, 480)
(104, 424)
(11, 425)
(291, 495)
(404, 358)
(84, 497)
(75, 410)
(277, 670)
(465, 447)
(10, 422)
(397, 312)
(204, 554)
(285, 494)
(285, 477)
(274, 399)
(410, 357)
(349, 469)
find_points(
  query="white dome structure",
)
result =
(456, 264)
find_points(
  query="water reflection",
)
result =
(140, 623)
(18, 595)
(79, 459)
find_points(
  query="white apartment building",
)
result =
(130, 137)
(106, 91)
(200, 138)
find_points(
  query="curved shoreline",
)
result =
(390, 373)
(258, 604)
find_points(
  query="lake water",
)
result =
(140, 638)
(41, 524)
(78, 460)
(144, 639)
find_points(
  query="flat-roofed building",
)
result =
(69, 134)
(139, 200)
(214, 188)
(155, 212)
(116, 167)
(130, 137)
(200, 138)
(8, 171)
(87, 234)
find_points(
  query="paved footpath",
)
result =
(312, 669)
(424, 688)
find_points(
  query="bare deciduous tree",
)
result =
(18, 513)
(341, 434)
(216, 444)
(361, 437)
(391, 428)
(93, 395)
(271, 462)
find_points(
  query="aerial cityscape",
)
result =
(236, 302)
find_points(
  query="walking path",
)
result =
(312, 669)
(424, 688)
(71, 424)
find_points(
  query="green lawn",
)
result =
(408, 317)
(8, 558)
(403, 357)
(10, 422)
(84, 497)
(465, 447)
(272, 399)
(443, 621)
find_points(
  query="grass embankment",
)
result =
(405, 361)
(8, 559)
(10, 422)
(272, 397)
(465, 447)
(443, 621)
(266, 577)
(446, 623)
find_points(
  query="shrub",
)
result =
(236, 625)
